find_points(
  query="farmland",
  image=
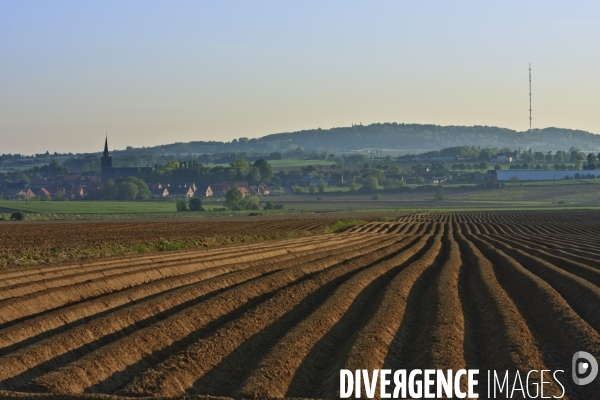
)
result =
(34, 243)
(492, 290)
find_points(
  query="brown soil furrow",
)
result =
(73, 271)
(77, 341)
(50, 323)
(559, 259)
(582, 296)
(30, 304)
(182, 371)
(281, 365)
(501, 338)
(373, 342)
(559, 331)
(559, 246)
(183, 326)
(440, 325)
(85, 276)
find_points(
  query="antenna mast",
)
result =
(530, 98)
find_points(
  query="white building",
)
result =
(542, 175)
(502, 159)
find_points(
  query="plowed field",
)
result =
(486, 290)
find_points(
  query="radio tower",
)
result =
(529, 98)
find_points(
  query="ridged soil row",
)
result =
(579, 241)
(17, 275)
(401, 227)
(570, 263)
(88, 273)
(53, 322)
(557, 328)
(582, 295)
(219, 349)
(500, 338)
(38, 302)
(373, 342)
(438, 335)
(144, 347)
(22, 365)
(583, 252)
(292, 365)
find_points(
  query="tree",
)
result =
(514, 180)
(265, 169)
(483, 165)
(109, 189)
(439, 194)
(126, 191)
(372, 184)
(321, 185)
(241, 166)
(497, 167)
(143, 192)
(182, 205)
(578, 160)
(394, 169)
(196, 204)
(254, 176)
(484, 155)
(312, 189)
(233, 198)
(592, 159)
(376, 197)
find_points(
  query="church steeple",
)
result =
(106, 145)
(106, 162)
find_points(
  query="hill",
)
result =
(398, 138)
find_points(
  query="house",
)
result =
(543, 175)
(159, 192)
(239, 184)
(244, 191)
(507, 159)
(220, 189)
(180, 191)
(263, 190)
(203, 191)
(15, 188)
(24, 195)
(191, 185)
(95, 192)
(437, 179)
(76, 192)
(44, 194)
(154, 186)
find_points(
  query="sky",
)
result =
(156, 72)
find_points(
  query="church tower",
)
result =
(106, 163)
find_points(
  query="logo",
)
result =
(584, 364)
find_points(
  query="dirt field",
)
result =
(487, 290)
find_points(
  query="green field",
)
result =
(89, 207)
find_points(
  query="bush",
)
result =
(196, 204)
(439, 195)
(376, 197)
(17, 216)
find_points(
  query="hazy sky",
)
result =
(154, 72)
